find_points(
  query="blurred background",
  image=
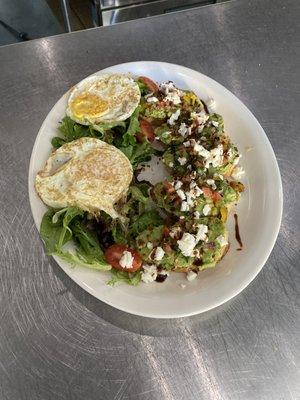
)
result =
(22, 20)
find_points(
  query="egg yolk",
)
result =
(88, 105)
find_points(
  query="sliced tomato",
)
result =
(147, 131)
(114, 254)
(152, 86)
(169, 188)
(211, 194)
(166, 231)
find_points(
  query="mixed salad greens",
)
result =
(177, 224)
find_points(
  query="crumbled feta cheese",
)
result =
(193, 174)
(159, 254)
(237, 173)
(193, 184)
(182, 217)
(215, 123)
(184, 130)
(189, 199)
(206, 209)
(189, 167)
(126, 260)
(152, 99)
(167, 87)
(187, 143)
(211, 183)
(196, 215)
(174, 117)
(171, 165)
(222, 241)
(187, 244)
(178, 185)
(201, 151)
(184, 206)
(181, 194)
(198, 191)
(211, 105)
(174, 231)
(202, 231)
(150, 245)
(173, 97)
(200, 117)
(182, 160)
(191, 275)
(149, 273)
(216, 157)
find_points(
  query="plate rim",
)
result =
(275, 227)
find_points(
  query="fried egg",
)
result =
(86, 173)
(103, 98)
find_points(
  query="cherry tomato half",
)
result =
(147, 131)
(152, 86)
(211, 194)
(114, 253)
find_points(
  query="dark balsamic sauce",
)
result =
(237, 232)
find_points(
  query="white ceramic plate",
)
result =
(259, 210)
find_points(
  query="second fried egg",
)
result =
(103, 98)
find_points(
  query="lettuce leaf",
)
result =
(125, 277)
(51, 232)
(147, 219)
(133, 129)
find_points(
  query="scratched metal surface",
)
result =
(56, 341)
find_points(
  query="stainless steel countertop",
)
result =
(58, 342)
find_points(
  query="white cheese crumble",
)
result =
(173, 97)
(215, 123)
(211, 183)
(200, 117)
(149, 273)
(202, 231)
(186, 244)
(152, 99)
(181, 194)
(178, 185)
(211, 105)
(222, 241)
(237, 173)
(126, 260)
(193, 184)
(206, 209)
(184, 206)
(174, 231)
(196, 215)
(182, 160)
(191, 275)
(150, 245)
(167, 87)
(184, 130)
(159, 254)
(174, 117)
(171, 165)
(189, 199)
(216, 157)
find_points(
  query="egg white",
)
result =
(103, 98)
(86, 173)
